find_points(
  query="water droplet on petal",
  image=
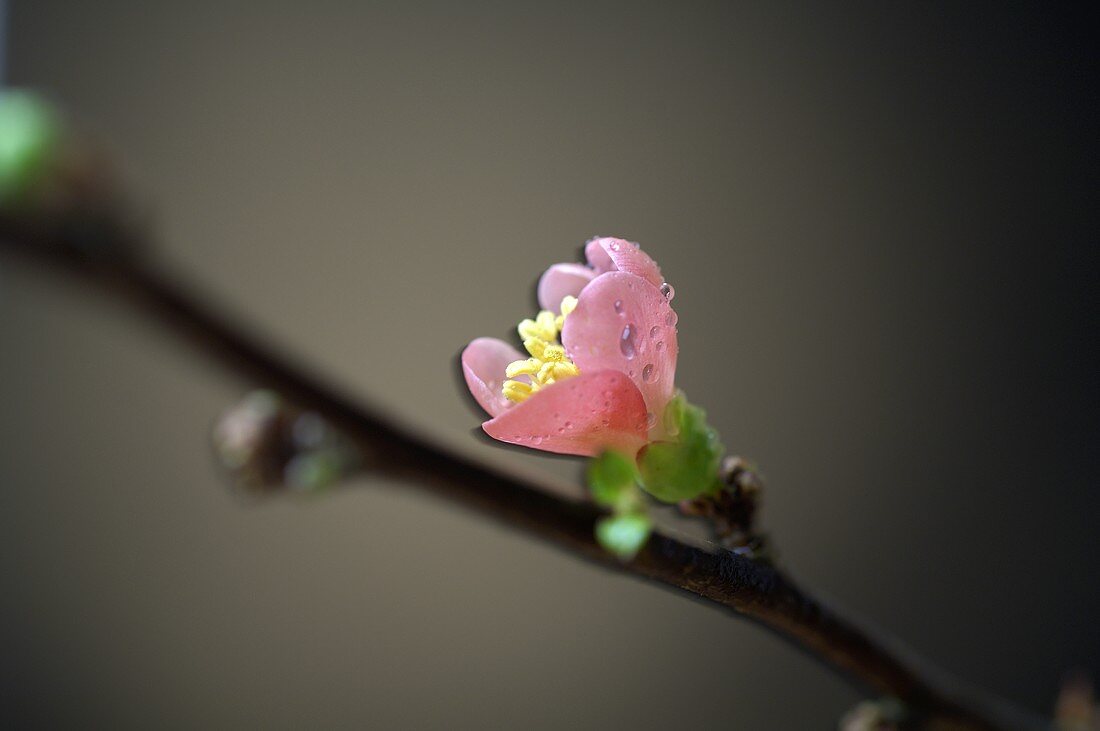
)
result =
(670, 318)
(649, 373)
(635, 244)
(660, 345)
(614, 246)
(606, 422)
(568, 425)
(668, 291)
(650, 419)
(536, 440)
(619, 306)
(654, 331)
(626, 342)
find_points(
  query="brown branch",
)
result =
(734, 582)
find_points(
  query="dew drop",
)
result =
(660, 345)
(650, 374)
(606, 422)
(619, 306)
(536, 440)
(654, 331)
(635, 244)
(668, 291)
(650, 419)
(614, 246)
(626, 342)
(568, 425)
(670, 318)
(561, 429)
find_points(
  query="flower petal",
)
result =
(483, 364)
(624, 323)
(561, 281)
(608, 254)
(582, 415)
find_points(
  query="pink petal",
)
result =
(483, 364)
(581, 415)
(607, 254)
(624, 323)
(561, 281)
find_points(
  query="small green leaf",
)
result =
(674, 416)
(688, 466)
(29, 130)
(611, 479)
(625, 534)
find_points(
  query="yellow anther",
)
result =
(545, 374)
(554, 352)
(529, 330)
(565, 370)
(543, 327)
(551, 371)
(567, 306)
(548, 362)
(527, 367)
(517, 390)
(536, 347)
(545, 319)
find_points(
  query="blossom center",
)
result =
(548, 362)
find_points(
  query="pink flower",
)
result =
(607, 384)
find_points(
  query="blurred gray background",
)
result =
(880, 222)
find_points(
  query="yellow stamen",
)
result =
(527, 367)
(543, 327)
(517, 390)
(546, 373)
(554, 352)
(548, 362)
(536, 347)
(567, 305)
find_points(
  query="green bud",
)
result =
(611, 479)
(29, 132)
(312, 471)
(625, 534)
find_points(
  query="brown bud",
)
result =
(732, 510)
(267, 444)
